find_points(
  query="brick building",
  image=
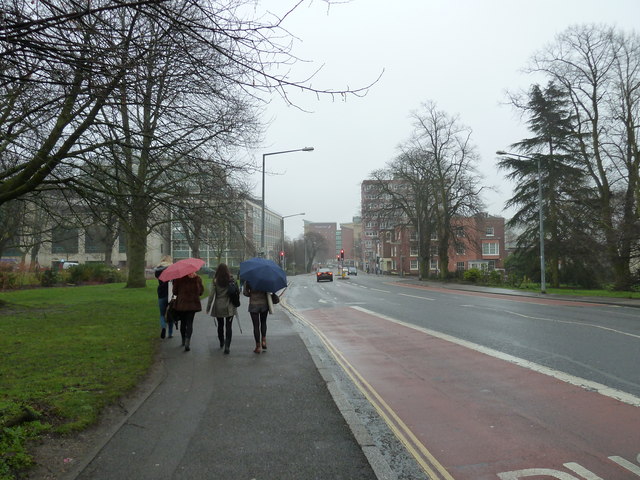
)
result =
(389, 245)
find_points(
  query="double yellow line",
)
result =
(425, 459)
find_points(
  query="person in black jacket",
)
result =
(163, 296)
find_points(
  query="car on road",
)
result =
(352, 271)
(324, 274)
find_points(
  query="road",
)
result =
(482, 386)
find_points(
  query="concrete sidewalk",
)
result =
(237, 416)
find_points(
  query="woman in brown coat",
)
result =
(187, 289)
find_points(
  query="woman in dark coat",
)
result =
(187, 291)
(220, 306)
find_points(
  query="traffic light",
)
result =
(281, 253)
(342, 254)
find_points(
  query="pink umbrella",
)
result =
(181, 268)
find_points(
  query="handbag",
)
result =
(275, 299)
(234, 294)
(171, 314)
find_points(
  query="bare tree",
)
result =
(404, 194)
(599, 70)
(314, 245)
(63, 61)
(432, 181)
(455, 179)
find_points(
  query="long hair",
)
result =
(223, 275)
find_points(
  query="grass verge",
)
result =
(67, 353)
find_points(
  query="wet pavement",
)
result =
(282, 414)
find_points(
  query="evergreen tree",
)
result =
(548, 158)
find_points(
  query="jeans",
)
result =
(162, 304)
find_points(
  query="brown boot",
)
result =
(257, 349)
(264, 343)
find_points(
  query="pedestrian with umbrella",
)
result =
(261, 277)
(187, 289)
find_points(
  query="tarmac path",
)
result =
(239, 416)
(465, 413)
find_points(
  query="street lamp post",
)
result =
(264, 156)
(543, 283)
(282, 224)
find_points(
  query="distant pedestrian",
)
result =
(220, 305)
(163, 296)
(259, 310)
(187, 291)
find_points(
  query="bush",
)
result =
(495, 277)
(8, 280)
(95, 272)
(473, 275)
(49, 278)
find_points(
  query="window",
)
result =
(414, 265)
(490, 248)
(489, 231)
(413, 236)
(434, 264)
(64, 240)
(95, 238)
(460, 250)
(434, 235)
(433, 250)
(459, 231)
(413, 250)
(460, 266)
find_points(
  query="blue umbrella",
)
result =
(263, 275)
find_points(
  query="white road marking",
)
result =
(416, 296)
(632, 467)
(378, 290)
(565, 377)
(580, 470)
(536, 472)
(555, 320)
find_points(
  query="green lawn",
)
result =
(66, 353)
(585, 293)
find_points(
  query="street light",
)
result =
(282, 223)
(543, 283)
(264, 155)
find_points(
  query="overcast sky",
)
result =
(462, 54)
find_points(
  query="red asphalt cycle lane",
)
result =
(468, 415)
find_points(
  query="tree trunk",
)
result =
(443, 251)
(136, 251)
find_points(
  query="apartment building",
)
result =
(389, 243)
